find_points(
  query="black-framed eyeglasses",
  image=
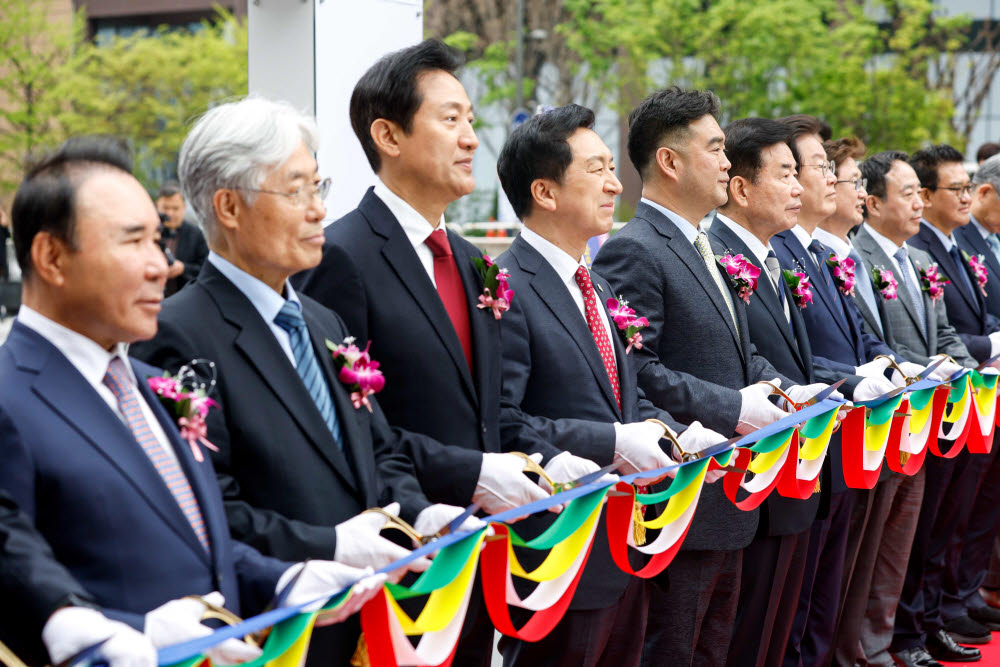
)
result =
(859, 184)
(304, 195)
(959, 190)
(827, 167)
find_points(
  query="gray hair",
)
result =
(989, 172)
(234, 145)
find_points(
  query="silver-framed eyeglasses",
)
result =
(304, 195)
(827, 167)
(859, 184)
(959, 190)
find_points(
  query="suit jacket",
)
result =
(692, 362)
(966, 311)
(75, 469)
(371, 275)
(787, 347)
(556, 388)
(971, 241)
(193, 251)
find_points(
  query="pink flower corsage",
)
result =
(933, 281)
(978, 265)
(627, 322)
(189, 408)
(798, 283)
(885, 283)
(742, 273)
(843, 273)
(357, 370)
(497, 294)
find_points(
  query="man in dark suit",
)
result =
(86, 448)
(184, 241)
(567, 376)
(298, 455)
(697, 360)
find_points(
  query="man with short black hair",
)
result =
(184, 241)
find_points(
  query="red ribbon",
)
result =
(789, 484)
(852, 438)
(378, 637)
(619, 526)
(731, 482)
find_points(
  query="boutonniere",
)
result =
(627, 322)
(978, 265)
(798, 283)
(932, 281)
(497, 294)
(885, 283)
(843, 273)
(741, 272)
(189, 406)
(357, 370)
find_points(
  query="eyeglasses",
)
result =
(304, 195)
(959, 190)
(859, 184)
(827, 167)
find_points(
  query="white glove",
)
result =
(873, 368)
(180, 621)
(637, 447)
(566, 467)
(990, 370)
(995, 343)
(432, 519)
(801, 393)
(697, 438)
(72, 629)
(503, 486)
(326, 578)
(872, 387)
(910, 370)
(757, 411)
(360, 545)
(945, 370)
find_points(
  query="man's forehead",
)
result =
(902, 174)
(810, 147)
(953, 172)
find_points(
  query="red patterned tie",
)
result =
(117, 380)
(449, 287)
(594, 314)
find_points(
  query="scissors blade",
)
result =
(718, 448)
(86, 655)
(930, 369)
(281, 596)
(459, 520)
(823, 395)
(986, 363)
(593, 476)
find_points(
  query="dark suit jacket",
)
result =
(556, 388)
(372, 277)
(970, 240)
(76, 470)
(193, 251)
(966, 312)
(787, 347)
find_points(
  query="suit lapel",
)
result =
(936, 250)
(625, 388)
(876, 257)
(805, 259)
(480, 321)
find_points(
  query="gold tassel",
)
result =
(817, 489)
(904, 457)
(638, 530)
(360, 657)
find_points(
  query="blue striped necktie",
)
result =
(290, 319)
(915, 292)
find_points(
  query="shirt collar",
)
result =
(267, 302)
(84, 353)
(689, 231)
(979, 227)
(887, 245)
(947, 241)
(756, 247)
(802, 235)
(560, 260)
(414, 225)
(840, 247)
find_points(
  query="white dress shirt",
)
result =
(414, 225)
(92, 360)
(805, 238)
(689, 231)
(758, 249)
(889, 247)
(839, 246)
(979, 227)
(947, 241)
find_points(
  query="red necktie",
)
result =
(597, 330)
(449, 287)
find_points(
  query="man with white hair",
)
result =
(300, 453)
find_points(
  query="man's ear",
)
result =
(668, 162)
(48, 258)
(739, 191)
(228, 205)
(385, 134)
(925, 195)
(545, 194)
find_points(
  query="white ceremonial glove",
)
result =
(872, 387)
(637, 447)
(945, 370)
(910, 370)
(990, 370)
(995, 343)
(360, 545)
(800, 393)
(873, 368)
(72, 629)
(432, 519)
(180, 621)
(326, 578)
(567, 467)
(757, 411)
(697, 438)
(502, 484)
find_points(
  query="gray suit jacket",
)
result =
(900, 316)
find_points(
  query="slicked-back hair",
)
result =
(169, 189)
(665, 117)
(926, 162)
(987, 150)
(746, 141)
(539, 149)
(47, 197)
(876, 167)
(989, 172)
(389, 90)
(800, 125)
(843, 148)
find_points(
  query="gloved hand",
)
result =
(910, 369)
(326, 578)
(502, 484)
(990, 370)
(637, 447)
(567, 467)
(72, 629)
(872, 368)
(945, 370)
(800, 393)
(757, 411)
(872, 387)
(432, 519)
(697, 438)
(995, 343)
(180, 621)
(360, 545)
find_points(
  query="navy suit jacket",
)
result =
(970, 240)
(966, 312)
(371, 276)
(75, 469)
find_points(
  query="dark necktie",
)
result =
(820, 254)
(774, 270)
(449, 287)
(963, 274)
(916, 297)
(594, 314)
